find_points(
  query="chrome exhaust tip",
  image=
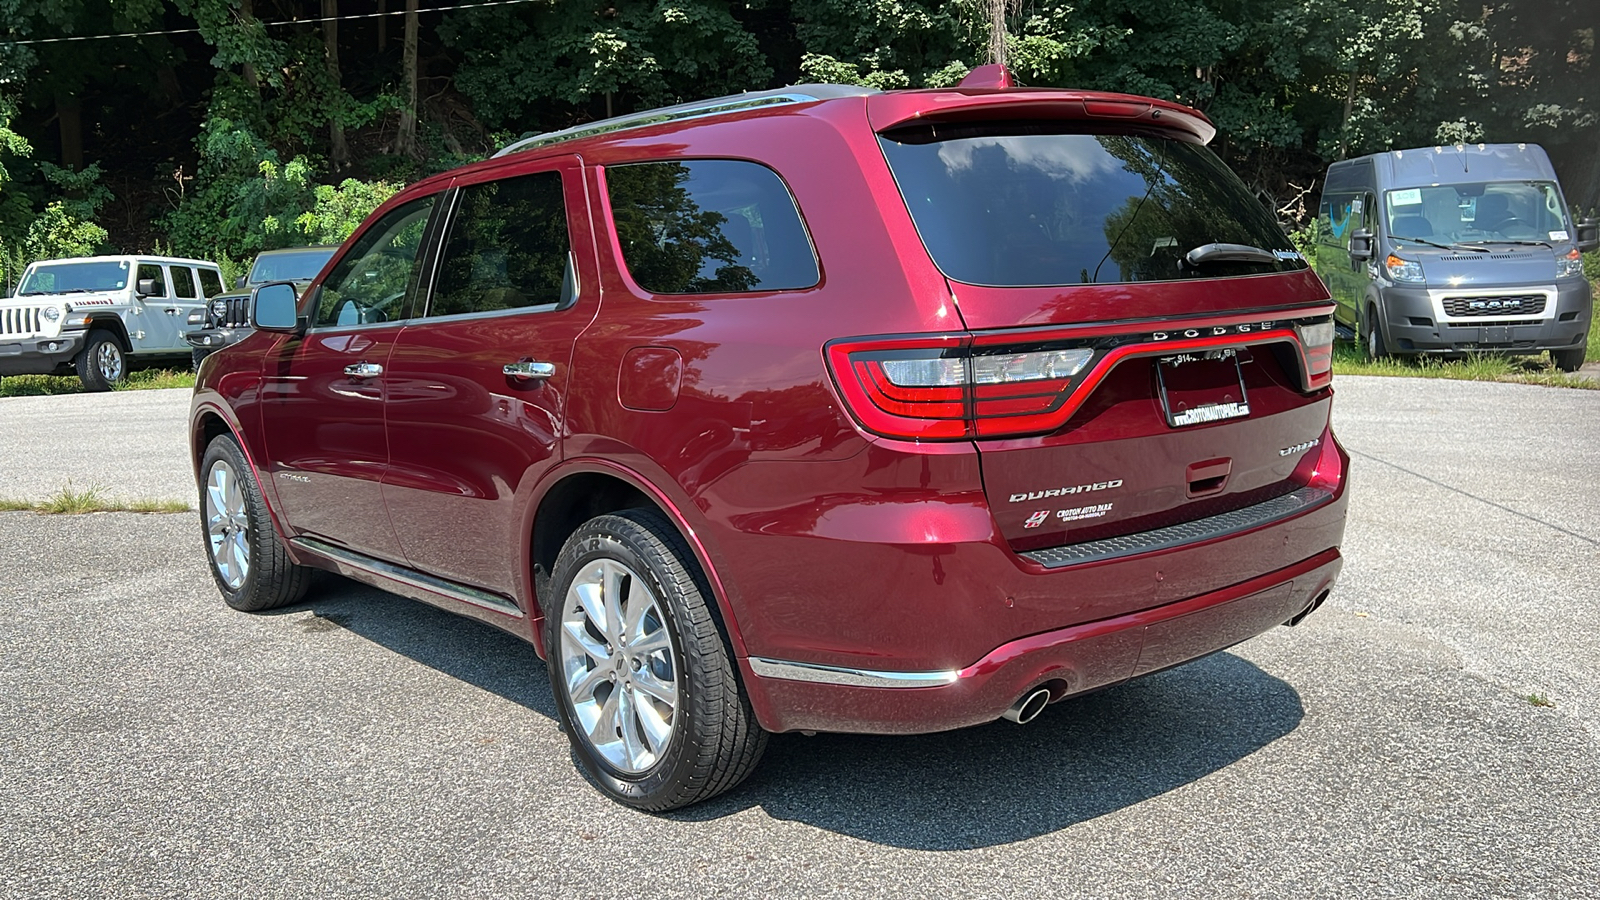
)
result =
(1028, 706)
(1312, 607)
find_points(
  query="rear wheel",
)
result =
(101, 363)
(248, 563)
(1568, 360)
(644, 685)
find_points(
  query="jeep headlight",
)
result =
(219, 308)
(51, 314)
(1403, 269)
(1569, 265)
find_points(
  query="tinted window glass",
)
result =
(507, 247)
(709, 226)
(210, 282)
(183, 282)
(154, 273)
(1030, 205)
(375, 279)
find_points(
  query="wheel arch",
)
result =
(209, 421)
(108, 322)
(585, 488)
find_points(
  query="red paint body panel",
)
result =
(822, 543)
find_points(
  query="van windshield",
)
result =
(1485, 211)
(75, 278)
(1033, 204)
(299, 265)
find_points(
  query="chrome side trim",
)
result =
(801, 93)
(820, 674)
(410, 577)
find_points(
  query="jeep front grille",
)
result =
(19, 321)
(235, 313)
(1519, 305)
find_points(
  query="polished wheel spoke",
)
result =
(581, 684)
(633, 748)
(657, 730)
(590, 604)
(603, 731)
(654, 642)
(579, 634)
(227, 525)
(611, 594)
(647, 682)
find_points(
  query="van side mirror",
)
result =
(1361, 245)
(274, 307)
(146, 287)
(1588, 235)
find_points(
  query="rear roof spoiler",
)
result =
(892, 110)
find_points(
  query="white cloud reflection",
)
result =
(1075, 158)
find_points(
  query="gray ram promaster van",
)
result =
(1445, 250)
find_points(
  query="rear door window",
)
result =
(709, 226)
(1034, 204)
(183, 282)
(507, 248)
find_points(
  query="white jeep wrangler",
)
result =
(98, 315)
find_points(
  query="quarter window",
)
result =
(376, 279)
(709, 226)
(210, 283)
(507, 248)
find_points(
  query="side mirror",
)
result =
(1361, 245)
(238, 283)
(146, 287)
(1588, 235)
(274, 307)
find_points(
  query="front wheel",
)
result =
(644, 685)
(248, 562)
(101, 363)
(1568, 360)
(1372, 341)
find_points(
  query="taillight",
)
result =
(1329, 470)
(1316, 342)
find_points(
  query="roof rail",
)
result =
(800, 93)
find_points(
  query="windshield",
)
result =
(1486, 211)
(300, 265)
(1016, 205)
(75, 278)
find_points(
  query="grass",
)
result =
(1349, 359)
(142, 380)
(70, 501)
(1540, 700)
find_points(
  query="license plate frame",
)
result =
(1199, 388)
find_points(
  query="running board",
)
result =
(1222, 525)
(411, 578)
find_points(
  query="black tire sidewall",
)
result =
(1373, 346)
(617, 538)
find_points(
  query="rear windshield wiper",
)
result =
(1210, 253)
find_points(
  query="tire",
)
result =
(102, 362)
(196, 357)
(658, 729)
(248, 561)
(1372, 336)
(1568, 360)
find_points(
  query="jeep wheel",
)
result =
(196, 357)
(247, 560)
(1372, 336)
(101, 363)
(1568, 360)
(644, 685)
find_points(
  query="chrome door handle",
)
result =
(364, 370)
(530, 371)
(172, 310)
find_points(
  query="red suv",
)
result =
(822, 409)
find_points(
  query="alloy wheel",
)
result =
(227, 525)
(108, 360)
(618, 666)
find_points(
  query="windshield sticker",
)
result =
(1558, 236)
(1357, 205)
(1408, 197)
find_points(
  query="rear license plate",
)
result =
(1202, 387)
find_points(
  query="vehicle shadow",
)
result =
(978, 787)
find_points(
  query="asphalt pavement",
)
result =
(153, 743)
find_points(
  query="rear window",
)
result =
(709, 226)
(1031, 204)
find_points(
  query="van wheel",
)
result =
(1568, 360)
(248, 563)
(1372, 340)
(644, 685)
(101, 363)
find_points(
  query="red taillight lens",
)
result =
(1329, 470)
(939, 389)
(1316, 342)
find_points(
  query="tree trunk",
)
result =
(69, 115)
(338, 150)
(997, 31)
(383, 26)
(247, 14)
(1344, 123)
(406, 141)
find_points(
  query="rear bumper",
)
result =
(1068, 661)
(38, 356)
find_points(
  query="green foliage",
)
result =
(338, 210)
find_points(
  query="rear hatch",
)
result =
(1117, 376)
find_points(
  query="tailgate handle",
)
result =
(1208, 477)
